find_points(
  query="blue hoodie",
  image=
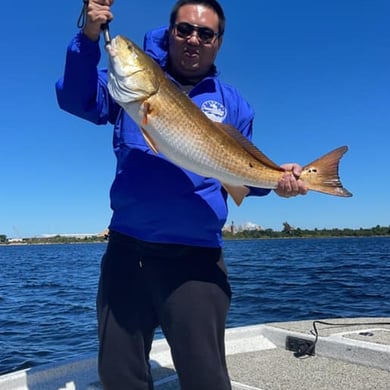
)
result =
(151, 198)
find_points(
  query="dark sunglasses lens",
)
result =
(184, 29)
(205, 34)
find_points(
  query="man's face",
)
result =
(191, 56)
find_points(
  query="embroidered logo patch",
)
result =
(214, 110)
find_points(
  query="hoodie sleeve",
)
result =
(156, 45)
(82, 91)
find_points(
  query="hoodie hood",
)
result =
(156, 45)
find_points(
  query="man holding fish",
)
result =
(164, 265)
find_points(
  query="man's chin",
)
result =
(191, 71)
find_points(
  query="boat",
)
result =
(342, 353)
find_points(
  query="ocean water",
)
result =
(47, 292)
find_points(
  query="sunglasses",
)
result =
(185, 30)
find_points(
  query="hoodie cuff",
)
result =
(254, 191)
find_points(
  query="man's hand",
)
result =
(290, 184)
(98, 13)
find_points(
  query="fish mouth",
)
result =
(111, 49)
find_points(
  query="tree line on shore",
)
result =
(287, 232)
(58, 239)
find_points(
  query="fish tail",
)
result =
(322, 174)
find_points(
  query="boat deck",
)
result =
(261, 357)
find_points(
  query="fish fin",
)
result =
(238, 193)
(149, 140)
(248, 146)
(147, 110)
(322, 174)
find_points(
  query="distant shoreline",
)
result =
(300, 238)
(224, 239)
(51, 243)
(232, 233)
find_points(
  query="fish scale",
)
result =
(197, 147)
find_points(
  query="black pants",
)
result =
(183, 289)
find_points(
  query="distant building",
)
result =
(232, 228)
(252, 226)
(75, 235)
(14, 240)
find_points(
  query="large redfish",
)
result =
(174, 126)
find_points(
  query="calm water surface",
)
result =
(47, 292)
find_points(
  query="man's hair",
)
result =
(213, 4)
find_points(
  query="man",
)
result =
(163, 264)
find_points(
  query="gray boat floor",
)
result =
(346, 356)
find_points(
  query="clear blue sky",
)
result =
(316, 72)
